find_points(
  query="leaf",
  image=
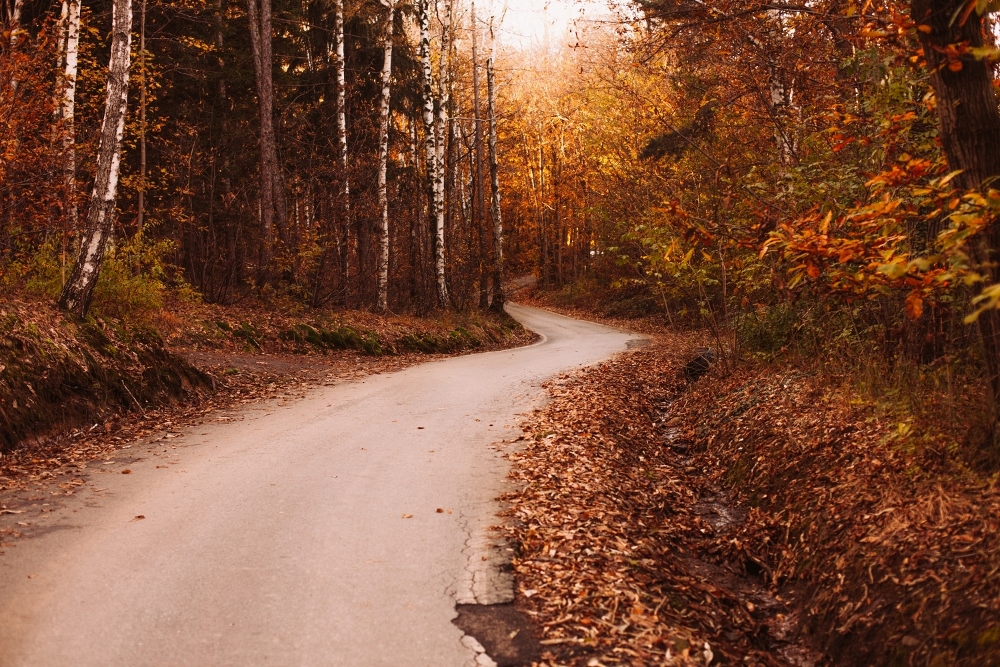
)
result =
(824, 227)
(914, 305)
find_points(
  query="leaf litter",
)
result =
(757, 518)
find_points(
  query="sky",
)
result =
(529, 22)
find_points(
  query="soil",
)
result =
(507, 633)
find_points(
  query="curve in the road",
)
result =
(339, 529)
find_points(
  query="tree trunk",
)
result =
(970, 134)
(272, 208)
(67, 108)
(498, 295)
(435, 180)
(480, 203)
(382, 268)
(140, 215)
(345, 187)
(14, 28)
(78, 291)
(441, 137)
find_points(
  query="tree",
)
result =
(442, 135)
(79, 289)
(435, 180)
(498, 295)
(969, 119)
(382, 262)
(345, 188)
(273, 211)
(70, 44)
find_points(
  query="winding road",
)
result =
(337, 529)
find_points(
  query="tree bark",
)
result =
(382, 268)
(345, 186)
(498, 295)
(68, 110)
(441, 137)
(272, 207)
(435, 180)
(969, 121)
(78, 292)
(480, 203)
(141, 213)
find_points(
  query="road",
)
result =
(340, 528)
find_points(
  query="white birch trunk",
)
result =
(338, 21)
(780, 97)
(339, 65)
(441, 131)
(79, 289)
(479, 205)
(444, 83)
(435, 182)
(68, 107)
(382, 268)
(498, 295)
(15, 25)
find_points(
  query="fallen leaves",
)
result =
(893, 543)
(613, 557)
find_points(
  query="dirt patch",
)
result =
(505, 632)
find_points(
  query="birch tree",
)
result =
(479, 206)
(498, 295)
(339, 72)
(78, 291)
(441, 134)
(434, 172)
(382, 263)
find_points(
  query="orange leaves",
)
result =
(914, 305)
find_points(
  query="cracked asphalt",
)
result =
(337, 529)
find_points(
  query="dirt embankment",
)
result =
(758, 518)
(56, 372)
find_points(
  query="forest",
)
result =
(797, 201)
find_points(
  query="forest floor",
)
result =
(758, 516)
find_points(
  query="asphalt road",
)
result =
(300, 533)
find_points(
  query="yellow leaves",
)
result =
(687, 258)
(988, 299)
(824, 227)
(196, 44)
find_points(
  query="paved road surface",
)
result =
(280, 538)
